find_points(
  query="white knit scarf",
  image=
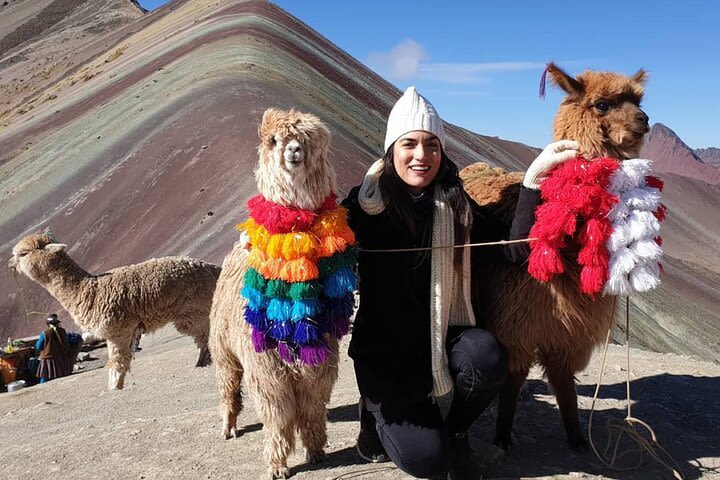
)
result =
(449, 289)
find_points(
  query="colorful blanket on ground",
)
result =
(300, 285)
(612, 211)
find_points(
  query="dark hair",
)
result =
(396, 196)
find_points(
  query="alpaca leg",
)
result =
(198, 330)
(229, 377)
(562, 380)
(277, 411)
(312, 417)
(204, 357)
(119, 357)
(507, 402)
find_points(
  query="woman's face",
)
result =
(416, 156)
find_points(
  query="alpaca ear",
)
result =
(267, 118)
(55, 247)
(571, 86)
(640, 77)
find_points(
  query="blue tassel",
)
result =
(308, 307)
(279, 310)
(339, 283)
(256, 318)
(340, 307)
(281, 330)
(255, 298)
(306, 331)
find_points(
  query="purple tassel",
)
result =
(542, 83)
(315, 354)
(285, 353)
(261, 341)
(339, 326)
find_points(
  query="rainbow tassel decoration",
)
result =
(616, 206)
(301, 279)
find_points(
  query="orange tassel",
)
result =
(299, 270)
(330, 245)
(272, 268)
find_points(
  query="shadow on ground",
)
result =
(683, 411)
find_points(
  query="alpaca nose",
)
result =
(11, 263)
(293, 147)
(641, 116)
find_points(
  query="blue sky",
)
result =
(479, 62)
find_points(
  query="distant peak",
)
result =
(659, 128)
(137, 4)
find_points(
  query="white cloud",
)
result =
(409, 61)
(401, 62)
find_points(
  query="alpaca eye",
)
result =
(602, 106)
(273, 141)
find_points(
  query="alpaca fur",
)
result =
(114, 304)
(553, 323)
(290, 398)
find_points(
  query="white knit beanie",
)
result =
(413, 112)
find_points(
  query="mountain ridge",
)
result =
(145, 150)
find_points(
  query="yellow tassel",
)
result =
(257, 258)
(275, 245)
(245, 225)
(259, 237)
(299, 244)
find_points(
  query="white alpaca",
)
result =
(293, 171)
(114, 304)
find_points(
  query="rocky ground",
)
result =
(166, 423)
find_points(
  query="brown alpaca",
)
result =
(113, 305)
(553, 323)
(293, 170)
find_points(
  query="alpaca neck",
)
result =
(70, 284)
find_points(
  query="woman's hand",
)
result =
(553, 154)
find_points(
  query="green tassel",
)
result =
(254, 280)
(303, 290)
(277, 289)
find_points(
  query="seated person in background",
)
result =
(53, 347)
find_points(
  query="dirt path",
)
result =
(166, 423)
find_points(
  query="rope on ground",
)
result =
(365, 471)
(22, 298)
(423, 249)
(628, 426)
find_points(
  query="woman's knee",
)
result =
(420, 452)
(479, 354)
(422, 462)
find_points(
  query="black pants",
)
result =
(415, 436)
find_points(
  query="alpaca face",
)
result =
(602, 112)
(35, 255)
(293, 168)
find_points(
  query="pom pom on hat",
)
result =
(413, 112)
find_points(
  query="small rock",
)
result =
(618, 368)
(83, 356)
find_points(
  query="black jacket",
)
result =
(390, 342)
